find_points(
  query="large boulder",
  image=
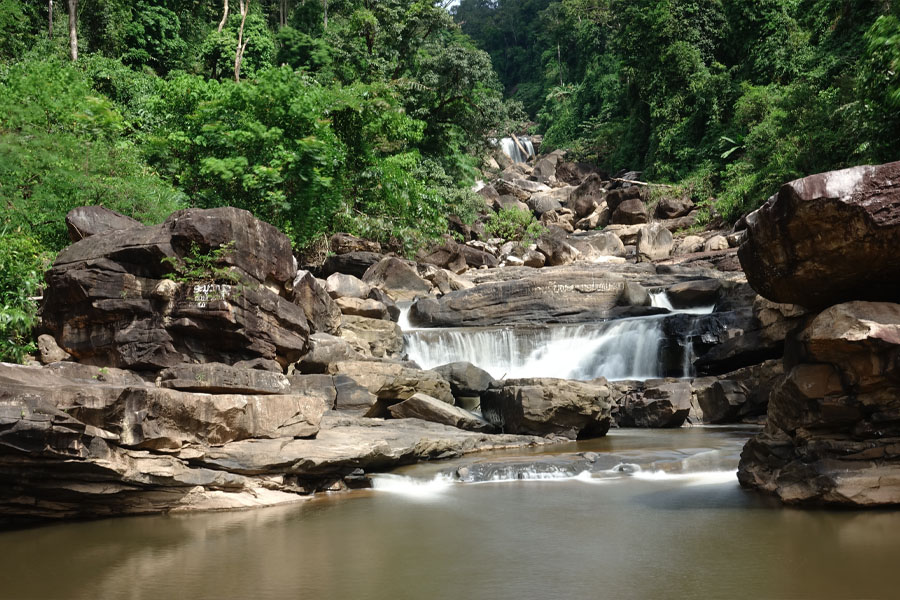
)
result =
(423, 406)
(341, 285)
(544, 406)
(320, 309)
(587, 196)
(393, 382)
(382, 338)
(630, 212)
(558, 251)
(827, 238)
(574, 173)
(672, 207)
(594, 245)
(833, 425)
(466, 380)
(654, 242)
(344, 243)
(398, 278)
(85, 221)
(108, 300)
(654, 404)
(351, 263)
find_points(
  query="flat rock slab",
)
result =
(346, 444)
(422, 406)
(218, 378)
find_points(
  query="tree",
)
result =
(241, 42)
(73, 29)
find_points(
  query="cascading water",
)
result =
(512, 149)
(633, 349)
(623, 349)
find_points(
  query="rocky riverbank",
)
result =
(194, 364)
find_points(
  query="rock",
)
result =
(372, 309)
(422, 406)
(715, 243)
(557, 251)
(656, 403)
(521, 189)
(574, 173)
(543, 406)
(598, 218)
(351, 263)
(216, 378)
(49, 351)
(827, 238)
(598, 244)
(477, 257)
(721, 402)
(689, 244)
(587, 196)
(670, 207)
(320, 309)
(340, 285)
(627, 233)
(630, 212)
(634, 294)
(388, 302)
(534, 259)
(324, 350)
(107, 301)
(617, 196)
(85, 221)
(560, 295)
(337, 392)
(700, 292)
(545, 169)
(446, 256)
(344, 243)
(507, 202)
(392, 382)
(162, 419)
(654, 242)
(542, 203)
(562, 218)
(832, 428)
(489, 193)
(465, 378)
(398, 279)
(384, 338)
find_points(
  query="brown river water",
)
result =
(653, 514)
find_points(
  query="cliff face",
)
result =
(833, 430)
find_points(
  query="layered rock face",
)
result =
(108, 301)
(833, 429)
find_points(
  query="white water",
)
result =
(622, 349)
(661, 300)
(512, 150)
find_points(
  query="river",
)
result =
(638, 514)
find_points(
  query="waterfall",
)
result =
(622, 349)
(512, 150)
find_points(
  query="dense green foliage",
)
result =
(732, 97)
(368, 120)
(514, 225)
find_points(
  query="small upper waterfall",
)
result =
(512, 149)
(623, 349)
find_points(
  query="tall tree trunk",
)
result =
(224, 16)
(73, 29)
(325, 19)
(242, 43)
(50, 19)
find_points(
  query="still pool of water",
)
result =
(671, 523)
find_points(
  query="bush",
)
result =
(22, 264)
(514, 225)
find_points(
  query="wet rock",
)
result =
(85, 221)
(216, 378)
(422, 406)
(397, 278)
(344, 243)
(320, 309)
(107, 301)
(351, 263)
(544, 406)
(655, 403)
(654, 242)
(827, 238)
